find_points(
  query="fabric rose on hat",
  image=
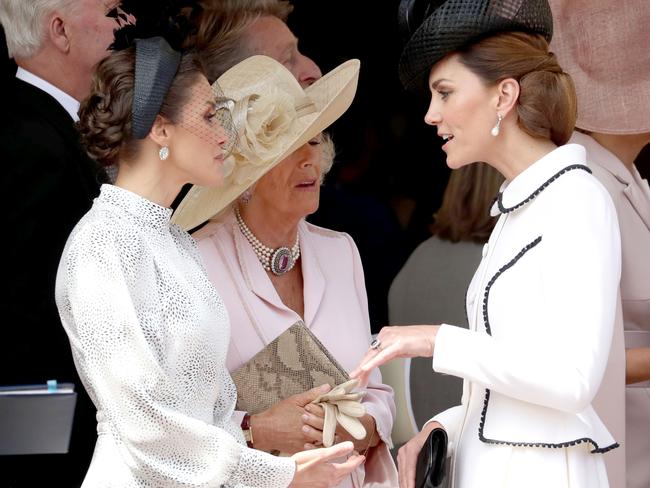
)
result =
(266, 121)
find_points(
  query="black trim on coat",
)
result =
(486, 400)
(505, 210)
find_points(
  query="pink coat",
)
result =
(336, 311)
(631, 196)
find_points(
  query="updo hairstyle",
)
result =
(105, 117)
(547, 101)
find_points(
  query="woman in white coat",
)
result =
(542, 302)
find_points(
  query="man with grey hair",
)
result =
(232, 30)
(48, 183)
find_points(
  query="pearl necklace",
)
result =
(278, 261)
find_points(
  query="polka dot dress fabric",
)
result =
(149, 335)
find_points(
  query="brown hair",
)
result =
(464, 213)
(105, 116)
(547, 103)
(222, 27)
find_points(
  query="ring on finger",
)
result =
(375, 344)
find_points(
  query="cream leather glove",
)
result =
(342, 406)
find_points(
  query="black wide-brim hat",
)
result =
(435, 29)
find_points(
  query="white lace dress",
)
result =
(149, 335)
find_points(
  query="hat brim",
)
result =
(609, 65)
(332, 95)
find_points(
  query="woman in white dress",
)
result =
(148, 331)
(542, 303)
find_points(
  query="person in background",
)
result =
(611, 70)
(432, 284)
(320, 281)
(50, 183)
(542, 303)
(232, 30)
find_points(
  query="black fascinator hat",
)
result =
(160, 30)
(432, 29)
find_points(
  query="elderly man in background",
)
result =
(48, 183)
(233, 30)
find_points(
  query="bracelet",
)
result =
(247, 429)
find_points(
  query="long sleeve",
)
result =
(155, 374)
(557, 358)
(450, 420)
(379, 400)
(379, 469)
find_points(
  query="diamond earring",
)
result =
(163, 153)
(496, 129)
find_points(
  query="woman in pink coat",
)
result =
(613, 106)
(272, 268)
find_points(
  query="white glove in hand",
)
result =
(342, 406)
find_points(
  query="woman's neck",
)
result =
(518, 151)
(271, 227)
(149, 179)
(625, 147)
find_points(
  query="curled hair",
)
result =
(547, 105)
(105, 117)
(221, 37)
(465, 211)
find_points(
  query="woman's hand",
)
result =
(280, 427)
(314, 420)
(314, 471)
(397, 342)
(407, 456)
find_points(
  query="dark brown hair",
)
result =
(105, 116)
(464, 213)
(547, 101)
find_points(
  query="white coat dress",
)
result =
(541, 310)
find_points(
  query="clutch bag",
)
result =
(292, 363)
(430, 470)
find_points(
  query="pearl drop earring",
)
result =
(497, 128)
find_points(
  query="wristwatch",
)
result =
(247, 429)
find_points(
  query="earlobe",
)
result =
(161, 131)
(508, 91)
(58, 34)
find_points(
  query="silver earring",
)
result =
(246, 197)
(163, 153)
(496, 129)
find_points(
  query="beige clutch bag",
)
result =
(294, 362)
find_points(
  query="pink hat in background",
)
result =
(605, 46)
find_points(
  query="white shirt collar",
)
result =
(67, 102)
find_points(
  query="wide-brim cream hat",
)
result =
(275, 116)
(603, 45)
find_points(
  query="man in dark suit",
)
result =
(47, 183)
